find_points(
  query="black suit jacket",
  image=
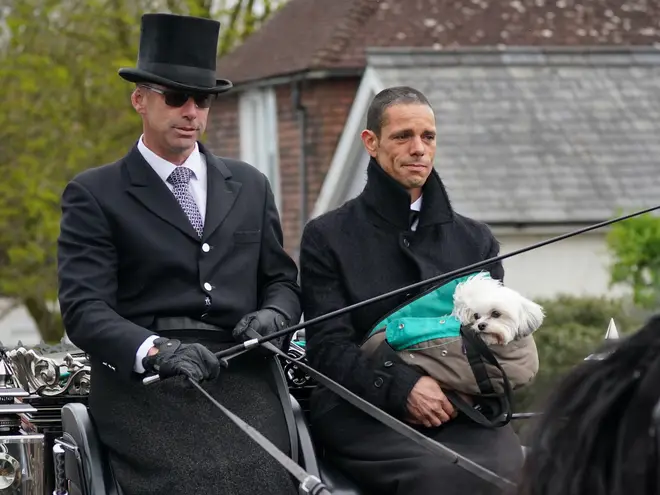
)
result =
(128, 254)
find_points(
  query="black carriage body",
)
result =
(68, 456)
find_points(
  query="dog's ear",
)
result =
(461, 309)
(462, 312)
(531, 317)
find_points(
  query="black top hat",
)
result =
(178, 52)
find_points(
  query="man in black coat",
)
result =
(400, 230)
(165, 257)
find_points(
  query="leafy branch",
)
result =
(635, 249)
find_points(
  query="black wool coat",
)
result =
(363, 249)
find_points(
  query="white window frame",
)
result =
(259, 139)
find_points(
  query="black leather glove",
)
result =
(174, 358)
(264, 322)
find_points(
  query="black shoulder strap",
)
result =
(477, 351)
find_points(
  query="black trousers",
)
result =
(167, 438)
(383, 462)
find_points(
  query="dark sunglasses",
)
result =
(177, 99)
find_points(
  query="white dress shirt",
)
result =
(417, 206)
(195, 162)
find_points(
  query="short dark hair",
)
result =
(388, 97)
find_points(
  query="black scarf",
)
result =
(391, 201)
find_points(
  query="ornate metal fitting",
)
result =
(48, 376)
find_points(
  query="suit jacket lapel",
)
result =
(148, 188)
(221, 192)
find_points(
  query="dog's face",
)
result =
(498, 313)
(497, 316)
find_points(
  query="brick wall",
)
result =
(328, 103)
(222, 133)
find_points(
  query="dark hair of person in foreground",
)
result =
(598, 435)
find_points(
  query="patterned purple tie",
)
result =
(180, 179)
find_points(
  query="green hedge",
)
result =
(573, 328)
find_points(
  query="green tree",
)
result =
(65, 110)
(635, 249)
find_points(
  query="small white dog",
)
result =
(495, 312)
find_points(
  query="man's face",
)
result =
(169, 131)
(406, 146)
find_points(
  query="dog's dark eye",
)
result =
(496, 314)
(476, 316)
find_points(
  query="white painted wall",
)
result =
(576, 266)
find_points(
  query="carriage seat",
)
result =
(334, 480)
(96, 476)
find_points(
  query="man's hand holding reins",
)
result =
(169, 357)
(264, 322)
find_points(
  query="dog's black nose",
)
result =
(482, 326)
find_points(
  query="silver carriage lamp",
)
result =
(21, 452)
(33, 389)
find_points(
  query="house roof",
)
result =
(302, 35)
(333, 34)
(529, 135)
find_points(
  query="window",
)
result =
(258, 133)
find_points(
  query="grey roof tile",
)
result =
(520, 142)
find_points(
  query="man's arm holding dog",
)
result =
(384, 379)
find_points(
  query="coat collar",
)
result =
(390, 200)
(148, 188)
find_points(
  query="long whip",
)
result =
(239, 349)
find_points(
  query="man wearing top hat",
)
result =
(166, 256)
